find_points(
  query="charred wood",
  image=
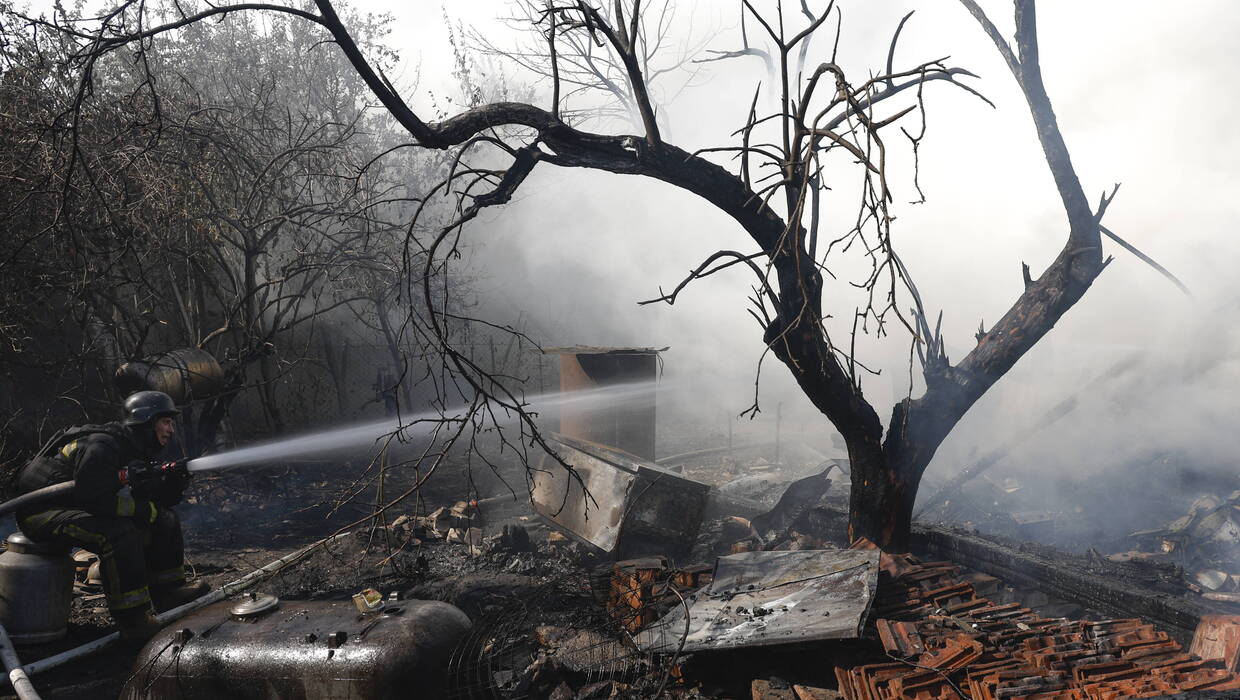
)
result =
(1066, 576)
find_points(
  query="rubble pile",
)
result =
(946, 641)
(1205, 543)
(878, 625)
(736, 592)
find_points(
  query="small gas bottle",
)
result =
(36, 587)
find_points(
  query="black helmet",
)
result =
(146, 406)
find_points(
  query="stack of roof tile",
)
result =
(948, 642)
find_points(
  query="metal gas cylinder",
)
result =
(186, 374)
(266, 649)
(36, 587)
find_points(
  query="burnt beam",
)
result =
(1062, 575)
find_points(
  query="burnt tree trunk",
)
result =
(886, 472)
(880, 505)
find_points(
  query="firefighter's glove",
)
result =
(141, 476)
(164, 484)
(173, 482)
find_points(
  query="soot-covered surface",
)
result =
(523, 602)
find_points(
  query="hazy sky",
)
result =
(1146, 95)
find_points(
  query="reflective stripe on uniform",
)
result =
(125, 504)
(129, 558)
(101, 542)
(167, 576)
(39, 520)
(130, 599)
(111, 576)
(67, 450)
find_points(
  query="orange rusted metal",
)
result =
(627, 425)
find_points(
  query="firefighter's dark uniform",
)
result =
(139, 543)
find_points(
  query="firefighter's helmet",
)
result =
(146, 406)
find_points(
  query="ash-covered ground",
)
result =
(529, 588)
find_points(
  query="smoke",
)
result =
(1138, 97)
(580, 248)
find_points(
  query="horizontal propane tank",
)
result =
(263, 649)
(186, 374)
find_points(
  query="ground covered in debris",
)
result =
(553, 618)
(1181, 537)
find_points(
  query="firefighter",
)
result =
(120, 508)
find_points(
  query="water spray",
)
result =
(402, 427)
(367, 434)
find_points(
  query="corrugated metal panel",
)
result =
(768, 598)
(623, 505)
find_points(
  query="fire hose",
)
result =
(47, 493)
(147, 472)
(136, 473)
(17, 675)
